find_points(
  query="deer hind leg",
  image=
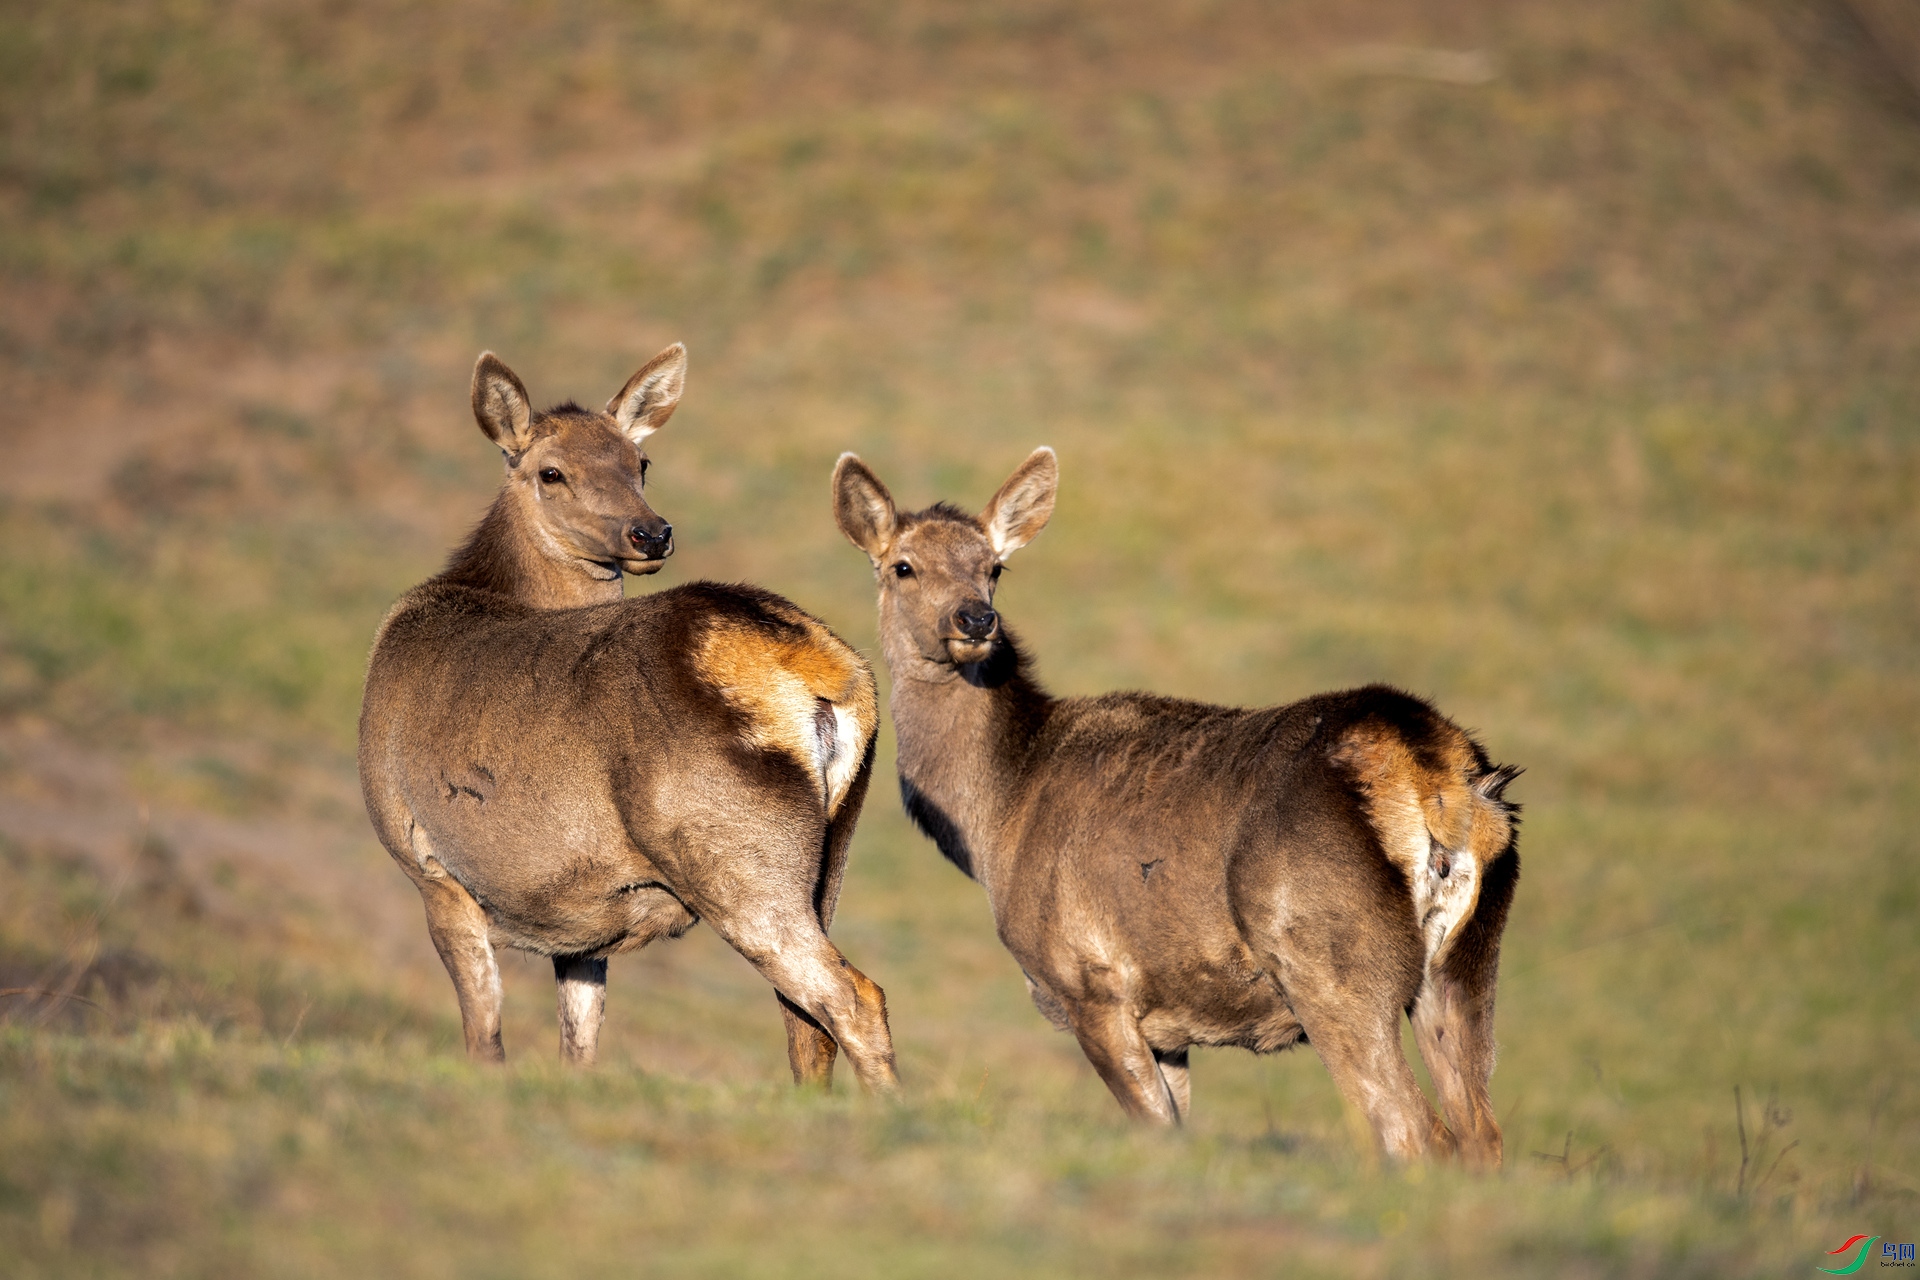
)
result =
(1454, 1027)
(811, 975)
(1453, 1017)
(1355, 1028)
(810, 1049)
(580, 988)
(850, 1006)
(458, 926)
(1110, 1036)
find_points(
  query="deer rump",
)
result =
(1203, 858)
(599, 777)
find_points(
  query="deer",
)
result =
(1171, 874)
(569, 772)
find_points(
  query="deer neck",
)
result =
(966, 739)
(510, 555)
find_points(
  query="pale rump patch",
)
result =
(849, 749)
(1450, 903)
(779, 684)
(1434, 824)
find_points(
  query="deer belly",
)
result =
(552, 865)
(1186, 974)
(612, 916)
(1236, 1007)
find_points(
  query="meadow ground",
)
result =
(1561, 363)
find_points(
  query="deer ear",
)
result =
(862, 506)
(500, 405)
(1024, 504)
(651, 395)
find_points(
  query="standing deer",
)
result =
(563, 771)
(1171, 874)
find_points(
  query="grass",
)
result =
(302, 1131)
(604, 1175)
(628, 1168)
(1582, 400)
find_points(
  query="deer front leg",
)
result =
(580, 987)
(810, 1050)
(1110, 1036)
(1173, 1069)
(458, 926)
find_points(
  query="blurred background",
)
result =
(1558, 362)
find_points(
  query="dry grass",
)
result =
(1582, 398)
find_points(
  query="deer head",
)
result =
(937, 569)
(576, 478)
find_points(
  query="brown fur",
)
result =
(1170, 873)
(777, 683)
(571, 773)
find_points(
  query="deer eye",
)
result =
(644, 464)
(550, 475)
(903, 570)
(995, 575)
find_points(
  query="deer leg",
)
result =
(810, 974)
(1173, 1069)
(767, 907)
(1359, 1040)
(458, 926)
(1110, 1037)
(580, 988)
(1454, 1027)
(820, 982)
(810, 1050)
(1453, 1018)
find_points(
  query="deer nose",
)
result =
(652, 544)
(976, 622)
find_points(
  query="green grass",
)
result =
(625, 1172)
(215, 1130)
(1583, 401)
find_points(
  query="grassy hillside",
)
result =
(1561, 363)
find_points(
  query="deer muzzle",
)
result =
(976, 621)
(652, 543)
(977, 625)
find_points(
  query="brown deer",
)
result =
(568, 772)
(1171, 874)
